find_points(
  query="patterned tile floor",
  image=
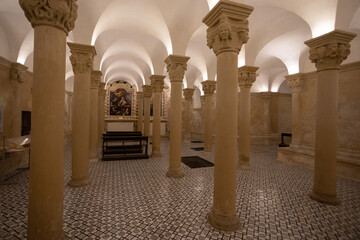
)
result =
(134, 200)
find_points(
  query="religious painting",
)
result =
(120, 102)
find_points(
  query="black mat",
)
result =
(196, 162)
(198, 149)
(197, 141)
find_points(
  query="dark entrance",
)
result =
(25, 123)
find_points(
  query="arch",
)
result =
(114, 66)
(119, 14)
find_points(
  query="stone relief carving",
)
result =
(188, 93)
(95, 79)
(147, 91)
(82, 62)
(330, 55)
(157, 85)
(296, 84)
(246, 79)
(58, 13)
(228, 35)
(209, 87)
(18, 73)
(176, 71)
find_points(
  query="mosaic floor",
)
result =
(134, 200)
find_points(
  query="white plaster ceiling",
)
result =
(133, 37)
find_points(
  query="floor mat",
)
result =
(196, 162)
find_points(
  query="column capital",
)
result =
(157, 83)
(228, 26)
(176, 67)
(188, 93)
(102, 90)
(18, 73)
(330, 50)
(265, 95)
(247, 76)
(139, 95)
(202, 100)
(295, 82)
(95, 79)
(147, 91)
(209, 87)
(82, 57)
(59, 14)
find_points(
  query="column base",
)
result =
(175, 173)
(224, 221)
(243, 166)
(79, 182)
(324, 198)
(156, 154)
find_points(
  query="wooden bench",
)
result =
(124, 147)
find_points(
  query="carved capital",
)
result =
(82, 57)
(330, 50)
(147, 91)
(295, 82)
(209, 87)
(176, 67)
(188, 93)
(102, 90)
(157, 83)
(228, 26)
(247, 76)
(18, 73)
(139, 96)
(95, 79)
(57, 13)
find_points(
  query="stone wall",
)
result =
(348, 151)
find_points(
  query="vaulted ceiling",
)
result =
(133, 37)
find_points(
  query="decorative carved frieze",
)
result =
(228, 26)
(95, 79)
(82, 57)
(188, 93)
(330, 50)
(209, 87)
(247, 76)
(157, 83)
(57, 13)
(295, 82)
(176, 67)
(147, 91)
(18, 73)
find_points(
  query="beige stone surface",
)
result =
(188, 94)
(147, 93)
(95, 79)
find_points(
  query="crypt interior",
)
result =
(169, 119)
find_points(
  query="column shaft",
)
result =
(175, 131)
(208, 123)
(326, 136)
(146, 116)
(46, 190)
(244, 128)
(94, 132)
(101, 111)
(140, 113)
(156, 125)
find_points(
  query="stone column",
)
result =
(327, 52)
(247, 76)
(296, 83)
(140, 100)
(176, 67)
(94, 115)
(265, 96)
(68, 110)
(101, 111)
(17, 76)
(227, 32)
(202, 101)
(209, 87)
(82, 63)
(46, 187)
(147, 92)
(188, 94)
(157, 83)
